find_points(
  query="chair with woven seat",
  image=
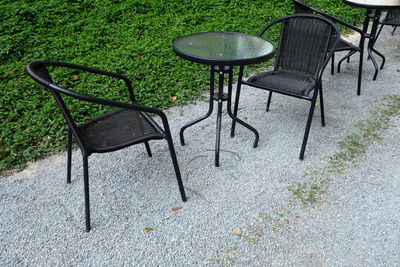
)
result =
(392, 18)
(306, 44)
(343, 45)
(127, 124)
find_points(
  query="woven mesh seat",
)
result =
(126, 125)
(292, 82)
(392, 18)
(343, 45)
(393, 21)
(118, 128)
(302, 56)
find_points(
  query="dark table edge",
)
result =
(371, 6)
(214, 62)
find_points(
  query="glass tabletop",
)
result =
(223, 48)
(381, 4)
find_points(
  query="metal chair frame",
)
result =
(39, 72)
(318, 83)
(392, 18)
(301, 7)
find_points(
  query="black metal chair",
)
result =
(392, 18)
(124, 126)
(343, 45)
(301, 58)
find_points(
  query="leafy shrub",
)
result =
(133, 37)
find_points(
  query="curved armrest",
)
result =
(31, 70)
(37, 70)
(113, 103)
(328, 57)
(336, 20)
(305, 6)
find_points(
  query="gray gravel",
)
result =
(356, 223)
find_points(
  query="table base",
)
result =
(375, 16)
(220, 97)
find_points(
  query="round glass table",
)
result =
(374, 10)
(222, 51)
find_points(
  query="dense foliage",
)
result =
(132, 37)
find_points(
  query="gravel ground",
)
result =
(355, 222)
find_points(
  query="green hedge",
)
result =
(131, 37)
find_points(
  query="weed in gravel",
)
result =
(351, 148)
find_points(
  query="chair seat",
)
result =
(117, 129)
(392, 18)
(344, 46)
(292, 82)
(392, 21)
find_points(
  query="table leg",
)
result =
(362, 45)
(220, 97)
(233, 116)
(370, 47)
(372, 38)
(219, 114)
(238, 87)
(210, 108)
(360, 65)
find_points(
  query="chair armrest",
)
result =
(328, 56)
(332, 18)
(113, 103)
(39, 73)
(82, 68)
(336, 20)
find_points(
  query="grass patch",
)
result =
(277, 221)
(133, 37)
(351, 148)
(226, 260)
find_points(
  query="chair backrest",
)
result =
(39, 72)
(304, 43)
(93, 107)
(393, 16)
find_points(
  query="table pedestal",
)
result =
(374, 11)
(375, 16)
(220, 97)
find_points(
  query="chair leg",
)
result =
(360, 65)
(305, 138)
(394, 29)
(86, 189)
(69, 156)
(379, 32)
(176, 166)
(321, 103)
(148, 149)
(235, 109)
(347, 57)
(269, 100)
(333, 64)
